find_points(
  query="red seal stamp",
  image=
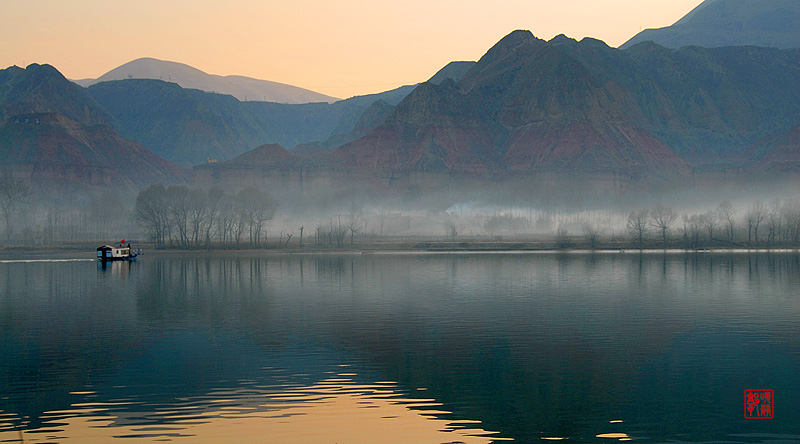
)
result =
(759, 404)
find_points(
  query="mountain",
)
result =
(185, 126)
(55, 136)
(42, 89)
(453, 70)
(264, 155)
(377, 113)
(717, 23)
(566, 108)
(371, 118)
(779, 153)
(191, 127)
(243, 88)
(269, 166)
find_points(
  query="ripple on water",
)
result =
(336, 409)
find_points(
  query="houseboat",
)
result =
(119, 253)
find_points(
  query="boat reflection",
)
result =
(116, 268)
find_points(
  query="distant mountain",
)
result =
(191, 127)
(243, 88)
(372, 117)
(57, 137)
(263, 155)
(185, 126)
(565, 107)
(270, 166)
(377, 113)
(717, 23)
(562, 114)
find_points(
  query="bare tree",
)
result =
(178, 205)
(753, 218)
(355, 218)
(592, 234)
(451, 229)
(319, 236)
(214, 207)
(14, 195)
(637, 225)
(774, 220)
(238, 220)
(258, 208)
(339, 230)
(197, 214)
(663, 218)
(694, 224)
(710, 221)
(791, 216)
(727, 214)
(151, 211)
(226, 223)
(562, 237)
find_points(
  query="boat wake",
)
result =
(25, 261)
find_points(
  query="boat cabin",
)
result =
(109, 253)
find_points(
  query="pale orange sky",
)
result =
(341, 48)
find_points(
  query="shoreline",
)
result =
(87, 250)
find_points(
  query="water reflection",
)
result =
(337, 409)
(534, 346)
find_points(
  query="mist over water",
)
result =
(452, 347)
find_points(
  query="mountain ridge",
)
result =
(582, 107)
(718, 23)
(189, 77)
(190, 127)
(56, 137)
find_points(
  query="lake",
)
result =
(400, 348)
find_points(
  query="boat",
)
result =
(117, 253)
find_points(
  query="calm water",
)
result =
(400, 348)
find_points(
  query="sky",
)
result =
(340, 48)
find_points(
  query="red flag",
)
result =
(122, 241)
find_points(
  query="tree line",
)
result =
(39, 217)
(179, 216)
(14, 197)
(774, 224)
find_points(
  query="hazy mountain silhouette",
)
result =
(42, 89)
(54, 134)
(243, 88)
(527, 108)
(190, 127)
(717, 23)
(376, 114)
(530, 106)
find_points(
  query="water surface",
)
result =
(399, 348)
